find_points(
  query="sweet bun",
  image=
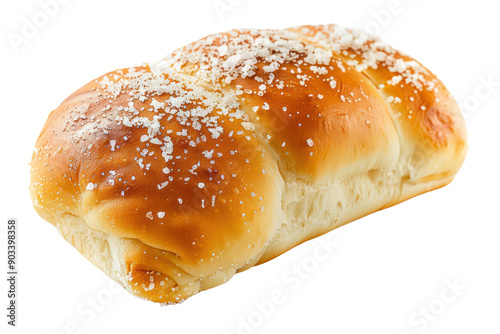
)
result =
(174, 176)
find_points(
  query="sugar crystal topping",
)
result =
(194, 88)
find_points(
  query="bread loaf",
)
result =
(171, 177)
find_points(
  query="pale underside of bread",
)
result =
(287, 160)
(306, 212)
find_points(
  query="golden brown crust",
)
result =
(202, 216)
(236, 148)
(424, 113)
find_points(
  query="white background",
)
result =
(388, 268)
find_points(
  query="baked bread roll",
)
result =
(231, 150)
